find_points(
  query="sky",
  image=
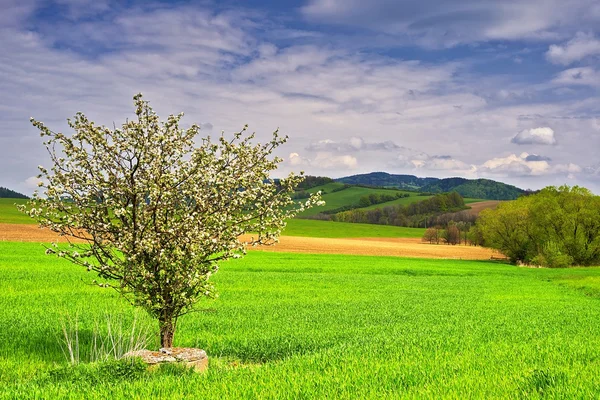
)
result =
(506, 90)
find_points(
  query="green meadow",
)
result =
(9, 214)
(319, 326)
(329, 229)
(412, 199)
(351, 196)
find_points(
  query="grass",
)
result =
(9, 213)
(321, 326)
(351, 196)
(326, 188)
(403, 201)
(329, 229)
(412, 199)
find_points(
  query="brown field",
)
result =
(476, 208)
(400, 247)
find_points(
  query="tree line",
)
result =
(454, 233)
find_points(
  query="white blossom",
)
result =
(158, 207)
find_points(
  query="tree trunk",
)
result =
(167, 331)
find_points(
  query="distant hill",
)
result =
(383, 179)
(11, 194)
(476, 188)
(471, 188)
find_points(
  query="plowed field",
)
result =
(476, 208)
(400, 247)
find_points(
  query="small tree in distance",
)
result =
(451, 234)
(156, 211)
(432, 235)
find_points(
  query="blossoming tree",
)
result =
(154, 210)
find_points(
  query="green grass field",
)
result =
(403, 201)
(327, 188)
(328, 229)
(321, 326)
(348, 197)
(412, 199)
(352, 195)
(9, 213)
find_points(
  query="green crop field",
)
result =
(329, 229)
(327, 188)
(350, 196)
(412, 199)
(403, 201)
(9, 213)
(320, 326)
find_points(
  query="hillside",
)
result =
(11, 194)
(337, 195)
(477, 188)
(473, 188)
(387, 180)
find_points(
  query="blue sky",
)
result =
(507, 90)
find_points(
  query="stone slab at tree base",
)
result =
(190, 357)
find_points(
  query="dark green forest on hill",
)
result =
(313, 181)
(384, 179)
(11, 194)
(473, 188)
(477, 188)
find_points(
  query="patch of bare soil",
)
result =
(478, 207)
(400, 247)
(28, 233)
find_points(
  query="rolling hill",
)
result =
(387, 180)
(336, 195)
(474, 188)
(478, 188)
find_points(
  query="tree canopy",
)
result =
(158, 209)
(555, 227)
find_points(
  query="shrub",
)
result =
(551, 256)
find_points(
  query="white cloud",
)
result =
(330, 161)
(353, 144)
(447, 23)
(523, 165)
(294, 159)
(401, 157)
(420, 162)
(323, 160)
(584, 76)
(448, 164)
(581, 46)
(541, 135)
(33, 182)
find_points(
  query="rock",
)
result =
(188, 356)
